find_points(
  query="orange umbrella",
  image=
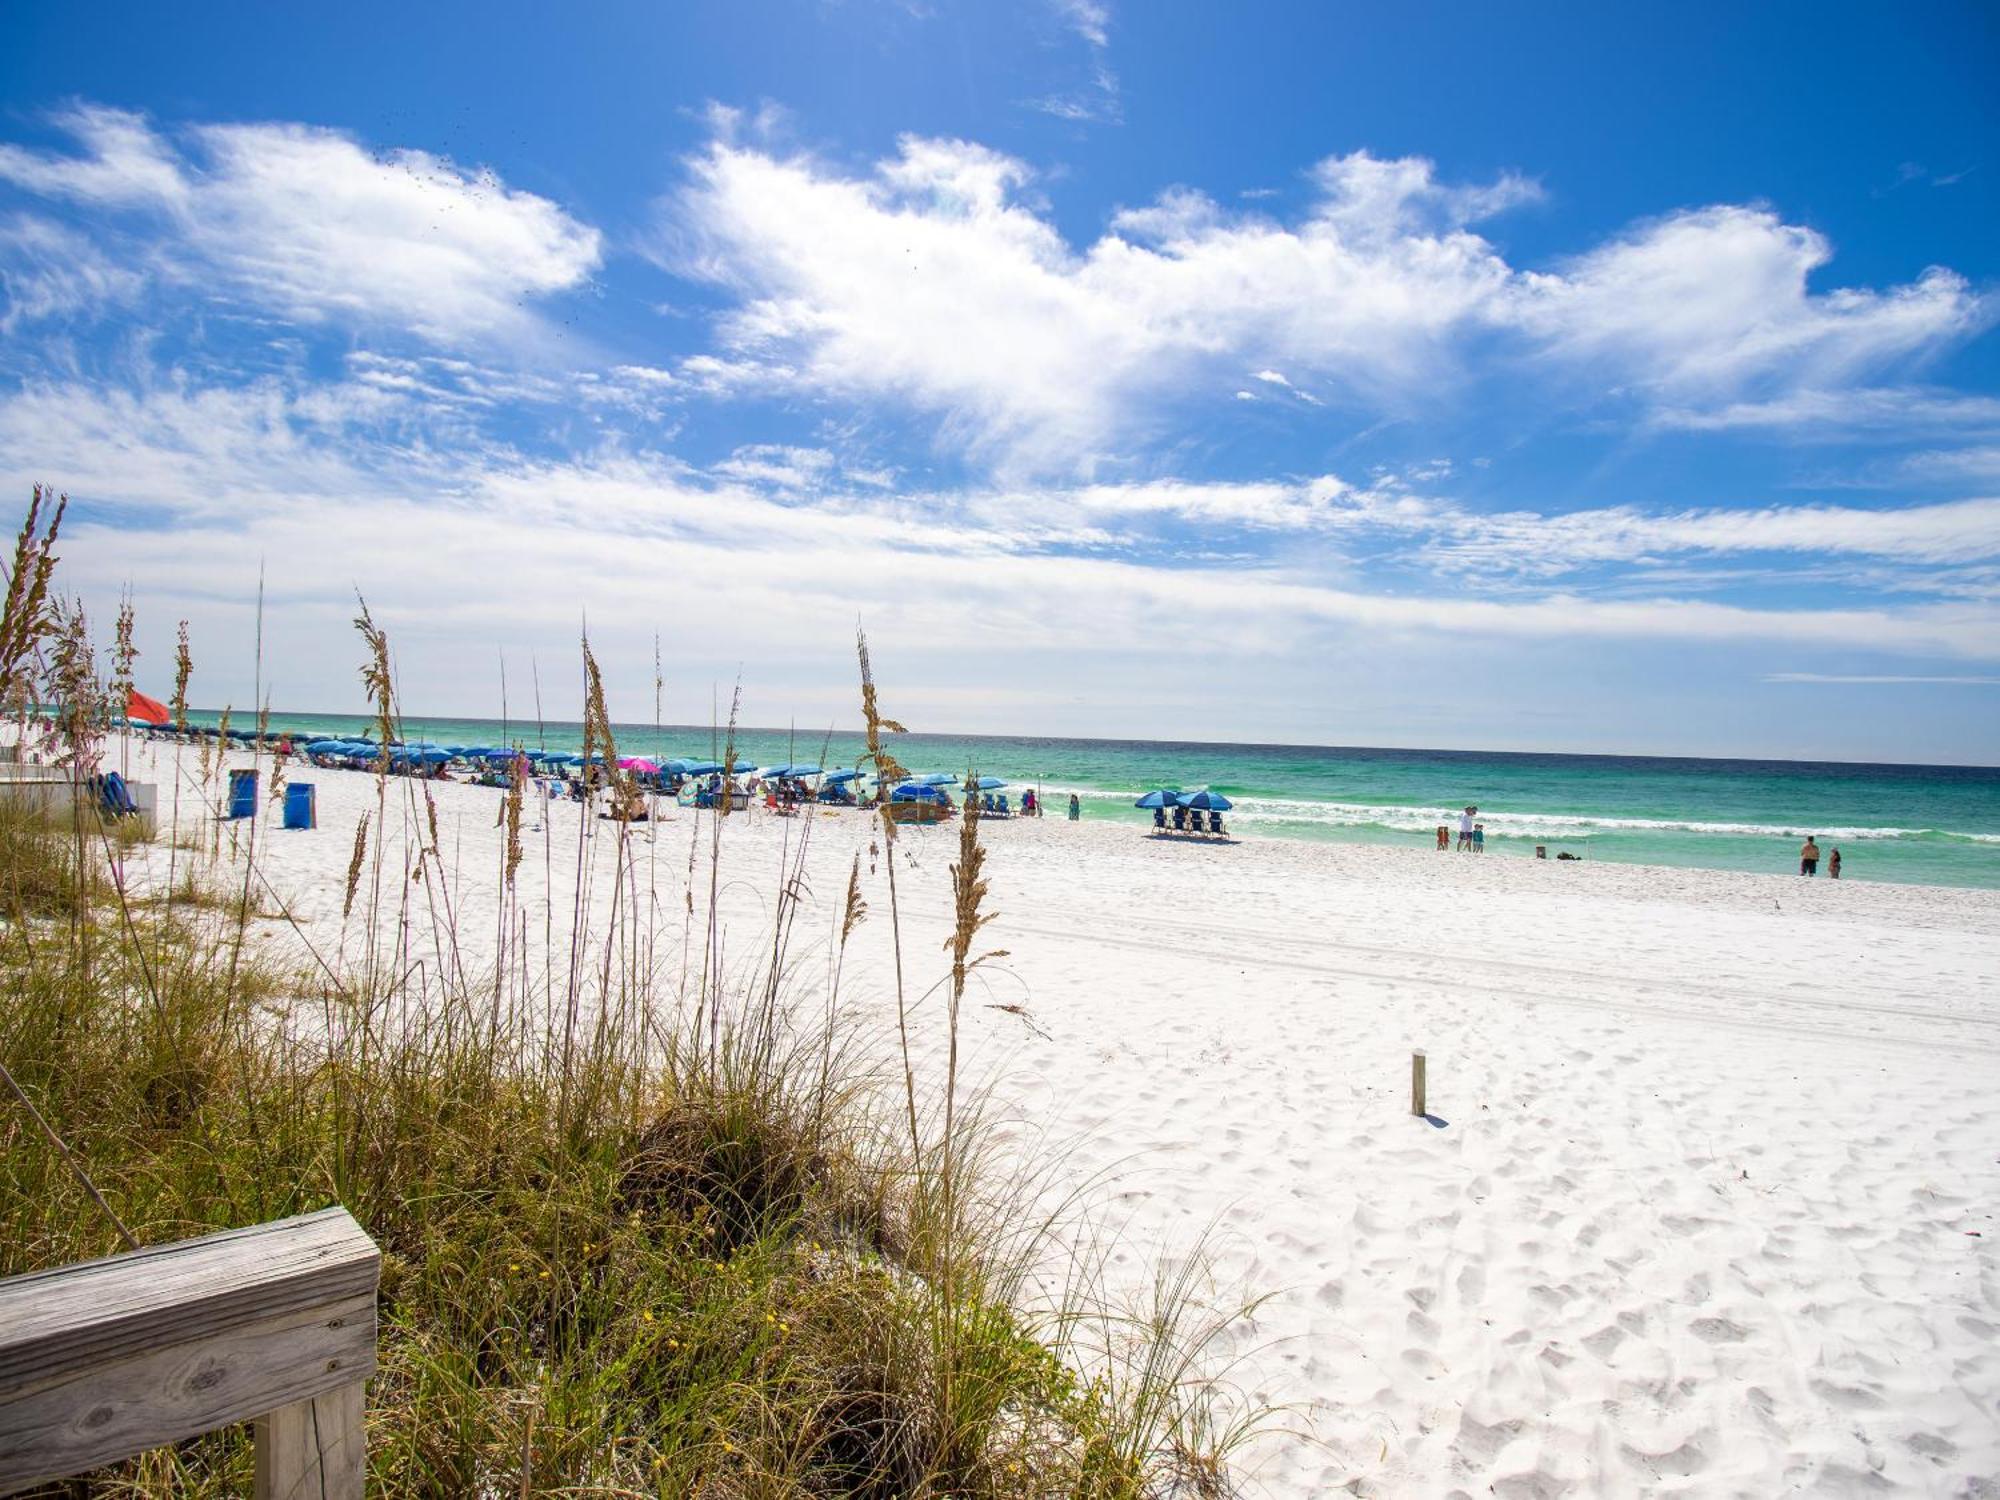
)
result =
(148, 710)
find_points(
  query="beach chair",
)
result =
(1160, 819)
(114, 797)
(1215, 821)
(1005, 810)
(1180, 820)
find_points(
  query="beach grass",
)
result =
(646, 1229)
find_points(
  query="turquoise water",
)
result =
(1935, 825)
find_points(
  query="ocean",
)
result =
(1928, 825)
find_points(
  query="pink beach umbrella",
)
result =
(638, 763)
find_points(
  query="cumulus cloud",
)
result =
(305, 222)
(937, 281)
(1707, 304)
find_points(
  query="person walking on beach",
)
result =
(1465, 829)
(1075, 807)
(1833, 866)
(1478, 838)
(1809, 857)
(1444, 836)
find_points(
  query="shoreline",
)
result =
(1890, 842)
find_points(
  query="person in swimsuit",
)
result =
(1833, 866)
(1809, 857)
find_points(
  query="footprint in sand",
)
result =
(1718, 1331)
(1604, 1343)
(1480, 1443)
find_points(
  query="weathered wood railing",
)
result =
(273, 1324)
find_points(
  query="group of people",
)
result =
(1471, 835)
(1809, 859)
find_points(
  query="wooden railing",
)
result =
(273, 1324)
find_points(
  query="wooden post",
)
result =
(315, 1449)
(1417, 1084)
(274, 1323)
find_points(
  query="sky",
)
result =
(1562, 377)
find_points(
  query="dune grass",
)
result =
(646, 1229)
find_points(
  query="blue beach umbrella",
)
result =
(1159, 797)
(801, 770)
(1206, 801)
(989, 783)
(937, 778)
(841, 778)
(919, 792)
(702, 768)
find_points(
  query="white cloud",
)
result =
(1090, 19)
(324, 487)
(931, 281)
(124, 163)
(1702, 305)
(47, 271)
(1850, 412)
(1526, 544)
(307, 223)
(934, 281)
(779, 466)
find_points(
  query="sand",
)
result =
(1706, 1204)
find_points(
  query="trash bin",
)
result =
(243, 794)
(301, 811)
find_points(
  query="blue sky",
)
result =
(1550, 377)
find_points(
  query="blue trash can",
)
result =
(243, 794)
(300, 809)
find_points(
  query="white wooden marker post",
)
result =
(1417, 1084)
(273, 1324)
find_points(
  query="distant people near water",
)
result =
(1478, 838)
(1075, 807)
(1444, 836)
(1031, 806)
(1809, 857)
(1833, 866)
(1465, 829)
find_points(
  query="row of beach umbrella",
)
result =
(1202, 801)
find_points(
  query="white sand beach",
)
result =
(1707, 1205)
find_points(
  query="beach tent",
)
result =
(1206, 801)
(1159, 797)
